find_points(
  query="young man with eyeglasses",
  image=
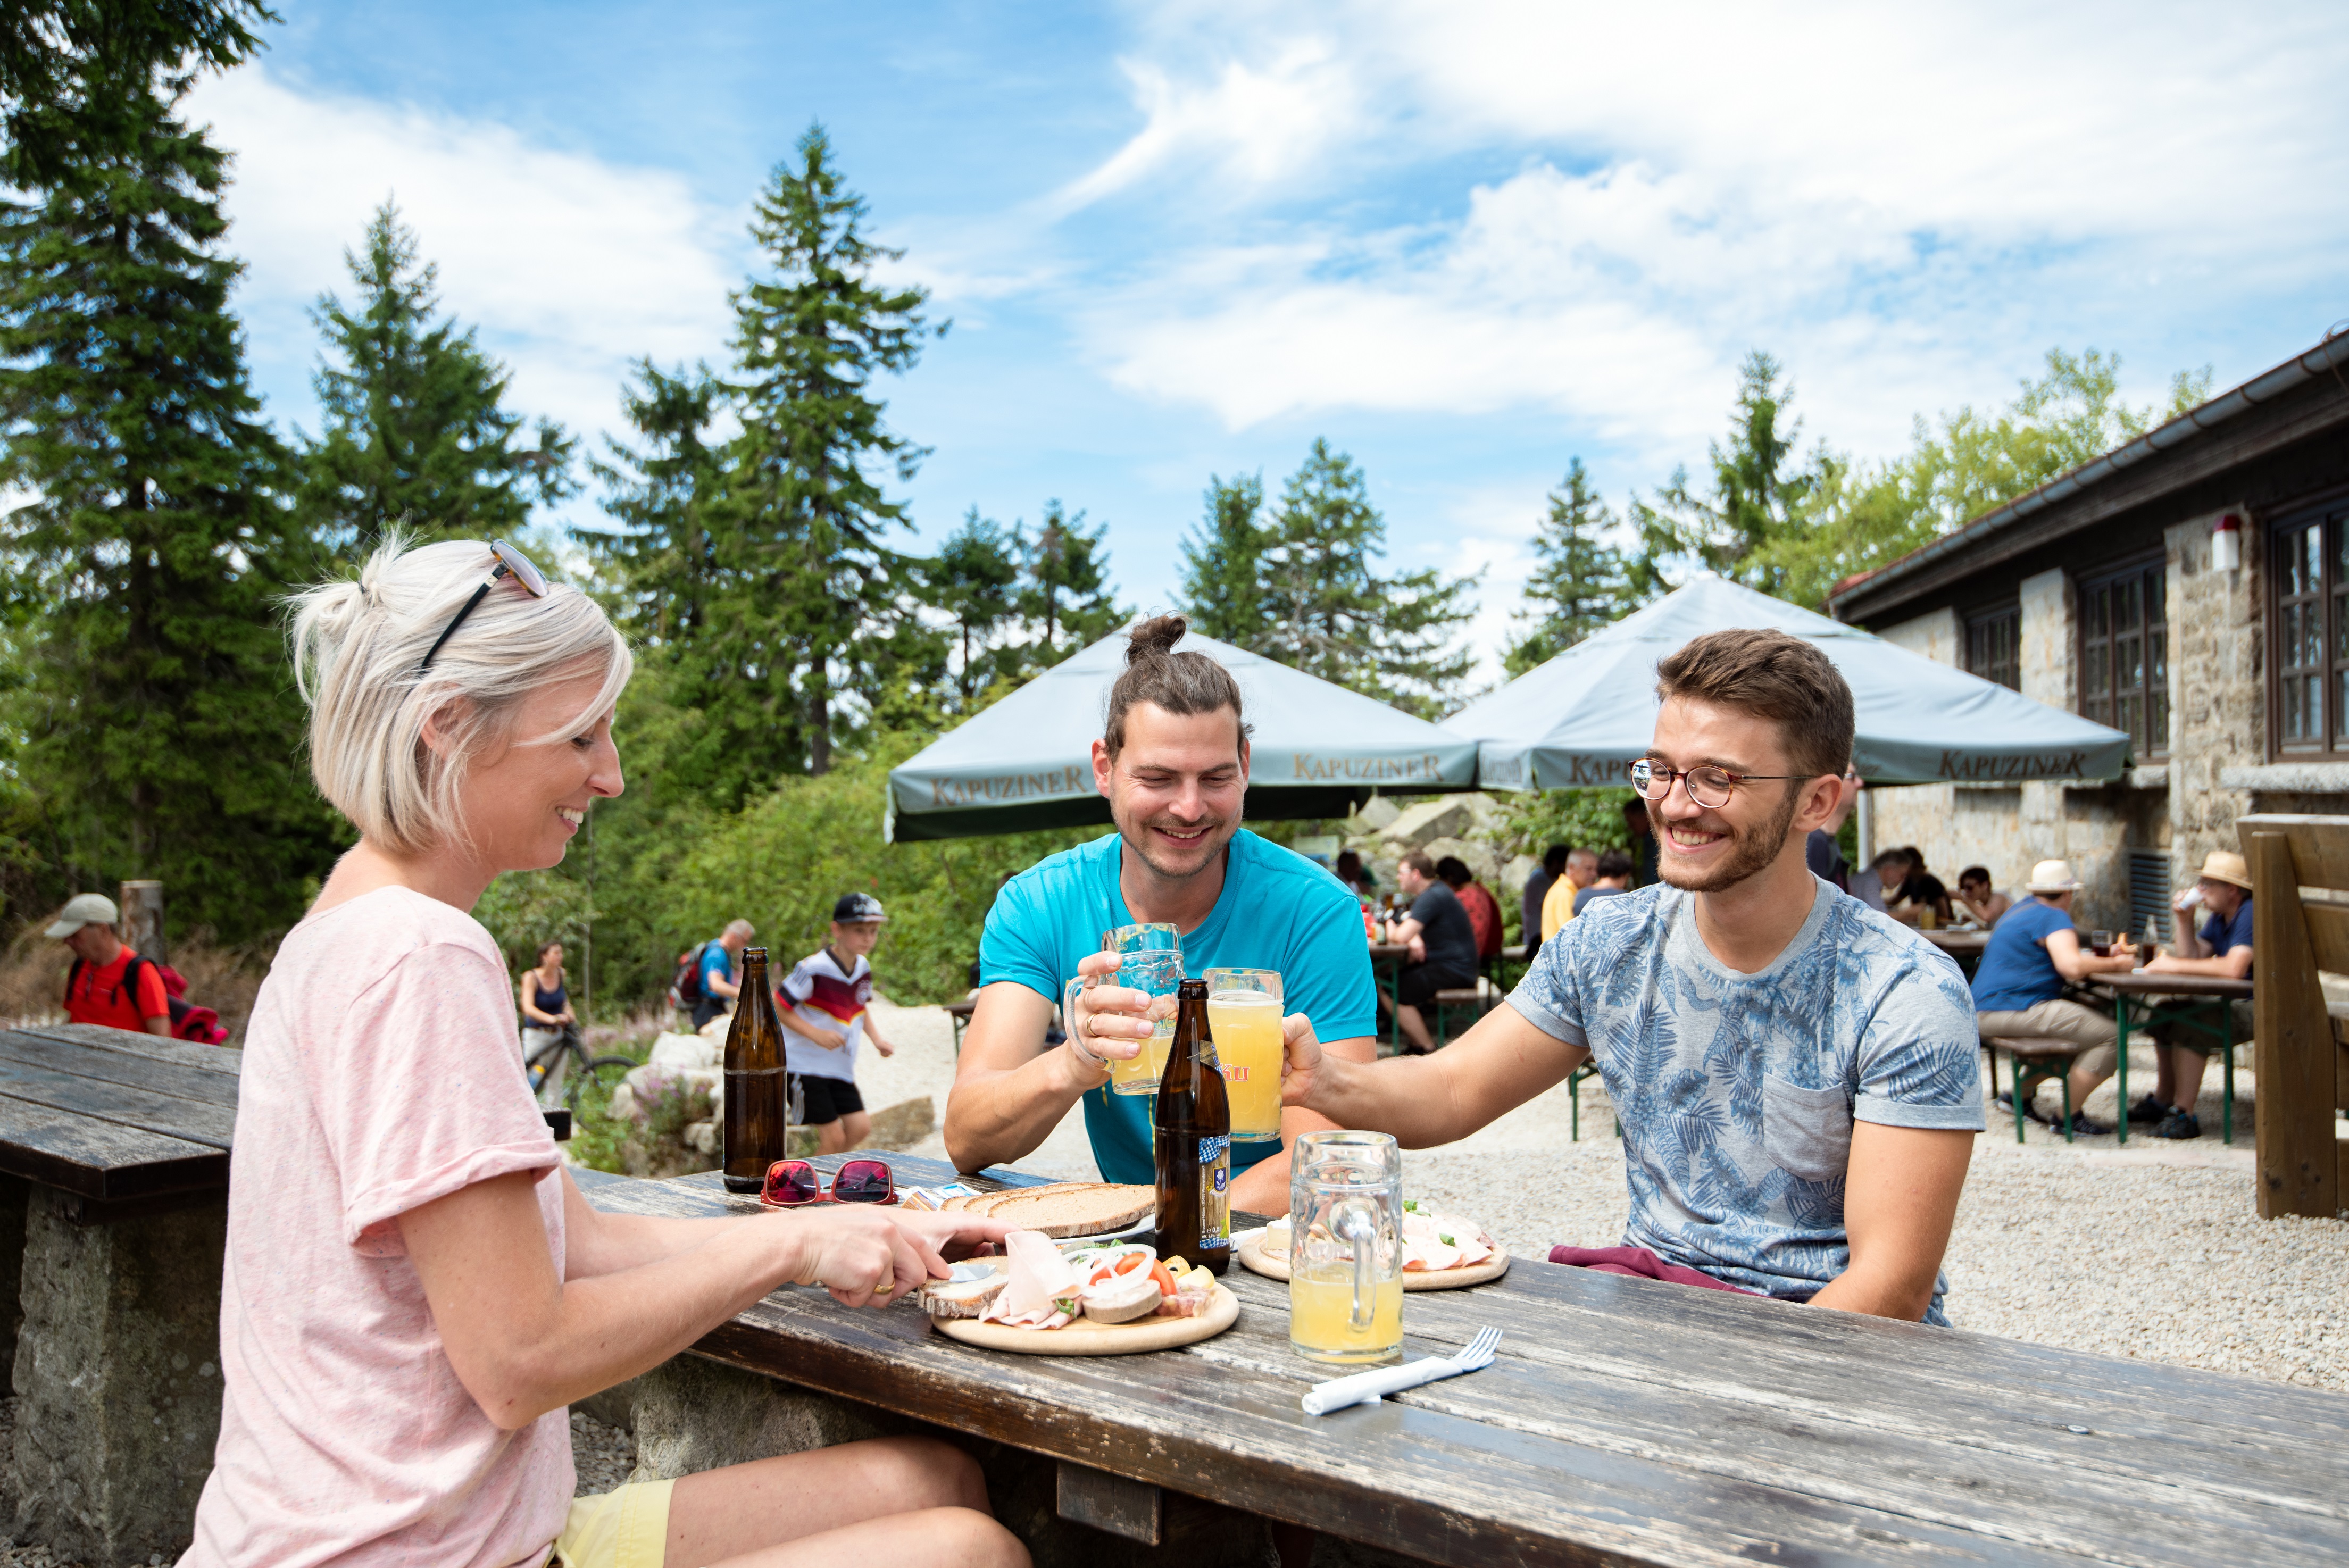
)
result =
(1794, 1074)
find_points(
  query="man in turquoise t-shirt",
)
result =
(1173, 762)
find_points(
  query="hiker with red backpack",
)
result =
(119, 986)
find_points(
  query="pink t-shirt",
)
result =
(381, 1071)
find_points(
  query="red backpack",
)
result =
(188, 1020)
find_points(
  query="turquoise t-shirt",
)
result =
(1277, 911)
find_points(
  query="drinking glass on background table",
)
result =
(1345, 1247)
(1150, 960)
(1244, 1017)
(2100, 942)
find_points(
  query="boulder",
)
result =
(1480, 858)
(1448, 816)
(1375, 814)
(905, 1124)
(704, 1084)
(700, 1136)
(686, 1051)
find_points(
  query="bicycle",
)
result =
(605, 1072)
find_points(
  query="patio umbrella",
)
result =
(1583, 717)
(1317, 750)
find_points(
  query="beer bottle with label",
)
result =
(1191, 1124)
(757, 1126)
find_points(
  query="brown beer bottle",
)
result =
(757, 1126)
(1192, 1124)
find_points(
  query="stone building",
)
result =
(2190, 588)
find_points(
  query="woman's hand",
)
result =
(1109, 1021)
(868, 1255)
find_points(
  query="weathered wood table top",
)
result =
(114, 1116)
(2142, 983)
(1959, 944)
(1626, 1421)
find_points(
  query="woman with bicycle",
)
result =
(414, 1289)
(546, 1012)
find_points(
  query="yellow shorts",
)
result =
(623, 1529)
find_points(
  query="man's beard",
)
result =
(1749, 853)
(1207, 846)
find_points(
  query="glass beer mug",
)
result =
(1150, 960)
(1345, 1247)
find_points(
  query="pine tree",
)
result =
(1580, 584)
(1758, 499)
(159, 734)
(1330, 613)
(59, 110)
(1221, 598)
(667, 493)
(1065, 598)
(814, 584)
(974, 579)
(417, 431)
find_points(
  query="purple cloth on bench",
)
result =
(1640, 1262)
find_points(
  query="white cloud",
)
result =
(1895, 201)
(572, 266)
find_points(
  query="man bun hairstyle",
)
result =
(1771, 676)
(1185, 684)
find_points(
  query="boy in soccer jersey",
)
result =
(824, 1005)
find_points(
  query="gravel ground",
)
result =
(602, 1455)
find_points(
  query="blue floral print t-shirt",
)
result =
(1737, 1092)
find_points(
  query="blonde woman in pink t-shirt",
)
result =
(415, 1289)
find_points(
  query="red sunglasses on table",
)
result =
(795, 1183)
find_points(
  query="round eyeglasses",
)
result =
(1708, 786)
(511, 562)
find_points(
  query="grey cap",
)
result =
(854, 908)
(84, 909)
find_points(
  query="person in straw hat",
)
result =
(2221, 947)
(2034, 954)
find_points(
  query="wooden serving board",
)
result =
(1252, 1257)
(1088, 1338)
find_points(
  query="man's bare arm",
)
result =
(1494, 1068)
(1009, 1093)
(1899, 1199)
(1263, 1188)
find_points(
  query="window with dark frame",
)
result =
(2124, 655)
(1994, 647)
(2310, 557)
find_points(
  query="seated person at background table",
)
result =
(1173, 761)
(1537, 889)
(2222, 948)
(1557, 907)
(1822, 852)
(1795, 1074)
(1980, 899)
(1443, 948)
(1910, 889)
(1357, 876)
(2033, 954)
(414, 1288)
(1643, 841)
(1611, 876)
(1484, 909)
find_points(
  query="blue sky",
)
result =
(1464, 243)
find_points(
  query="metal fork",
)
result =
(1369, 1387)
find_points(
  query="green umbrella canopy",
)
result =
(1316, 750)
(1586, 716)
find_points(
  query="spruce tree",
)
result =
(160, 733)
(1220, 595)
(1758, 500)
(417, 433)
(812, 582)
(1580, 584)
(974, 579)
(1330, 613)
(667, 493)
(1064, 598)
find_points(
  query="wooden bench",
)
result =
(2300, 1052)
(2032, 1062)
(1474, 1000)
(959, 1013)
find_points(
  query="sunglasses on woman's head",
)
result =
(794, 1183)
(511, 562)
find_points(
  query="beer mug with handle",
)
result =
(1345, 1247)
(1150, 960)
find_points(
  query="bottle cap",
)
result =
(1192, 988)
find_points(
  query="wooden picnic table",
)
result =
(114, 1175)
(1625, 1421)
(2179, 997)
(1965, 946)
